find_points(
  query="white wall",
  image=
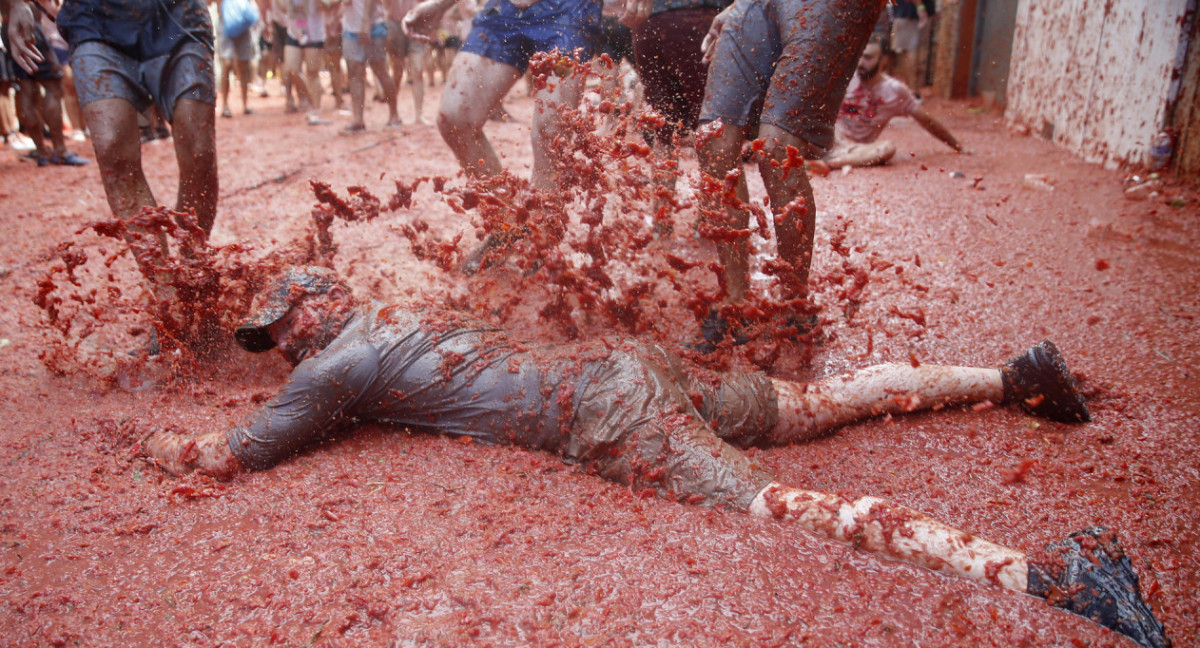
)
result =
(1100, 71)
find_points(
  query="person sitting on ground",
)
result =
(39, 87)
(127, 56)
(873, 99)
(364, 43)
(631, 413)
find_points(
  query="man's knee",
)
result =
(195, 129)
(116, 143)
(454, 122)
(718, 146)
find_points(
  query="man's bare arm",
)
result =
(420, 22)
(935, 128)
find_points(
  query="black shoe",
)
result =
(1040, 382)
(713, 329)
(1091, 576)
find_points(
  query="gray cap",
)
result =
(277, 298)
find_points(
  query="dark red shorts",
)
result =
(666, 50)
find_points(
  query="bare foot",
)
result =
(393, 123)
(180, 454)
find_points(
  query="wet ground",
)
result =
(387, 537)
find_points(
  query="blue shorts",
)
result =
(510, 35)
(787, 63)
(104, 72)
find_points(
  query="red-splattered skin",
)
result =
(443, 543)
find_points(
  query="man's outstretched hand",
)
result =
(422, 20)
(635, 12)
(709, 45)
(21, 26)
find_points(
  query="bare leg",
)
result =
(547, 124)
(337, 80)
(808, 410)
(415, 62)
(718, 156)
(113, 124)
(293, 63)
(356, 74)
(29, 99)
(312, 81)
(226, 70)
(895, 531)
(475, 87)
(71, 100)
(241, 70)
(196, 151)
(391, 89)
(792, 204)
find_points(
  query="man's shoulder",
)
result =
(892, 89)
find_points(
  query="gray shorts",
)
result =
(787, 63)
(399, 45)
(643, 422)
(103, 72)
(239, 49)
(356, 51)
(905, 34)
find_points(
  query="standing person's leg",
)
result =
(312, 82)
(548, 122)
(29, 113)
(113, 123)
(226, 70)
(377, 58)
(71, 102)
(333, 54)
(241, 70)
(243, 54)
(356, 78)
(294, 79)
(475, 87)
(414, 63)
(765, 61)
(196, 152)
(52, 116)
(188, 101)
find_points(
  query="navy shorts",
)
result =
(511, 35)
(103, 72)
(787, 63)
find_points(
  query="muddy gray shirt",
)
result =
(448, 376)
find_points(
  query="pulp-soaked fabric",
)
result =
(140, 29)
(638, 425)
(670, 65)
(628, 413)
(787, 63)
(105, 72)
